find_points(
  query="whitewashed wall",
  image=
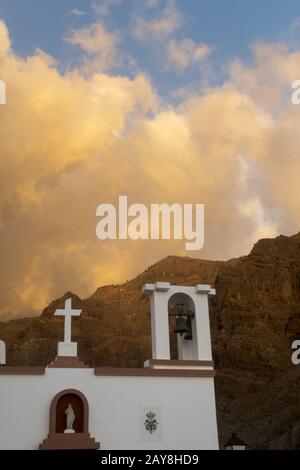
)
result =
(188, 416)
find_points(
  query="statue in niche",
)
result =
(70, 418)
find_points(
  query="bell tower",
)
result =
(194, 368)
(190, 307)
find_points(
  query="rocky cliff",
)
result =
(254, 318)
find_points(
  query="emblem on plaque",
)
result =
(151, 423)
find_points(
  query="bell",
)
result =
(181, 327)
(189, 335)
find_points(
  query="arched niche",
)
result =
(57, 438)
(57, 411)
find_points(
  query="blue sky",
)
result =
(229, 27)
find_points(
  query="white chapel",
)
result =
(167, 404)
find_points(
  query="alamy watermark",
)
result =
(2, 92)
(296, 94)
(295, 358)
(158, 221)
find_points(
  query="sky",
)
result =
(160, 100)
(227, 28)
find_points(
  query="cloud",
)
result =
(76, 12)
(5, 43)
(103, 8)
(151, 3)
(55, 130)
(100, 46)
(169, 21)
(185, 53)
(268, 79)
(70, 141)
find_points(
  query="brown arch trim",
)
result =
(52, 428)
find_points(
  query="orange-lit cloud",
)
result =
(69, 141)
(185, 52)
(100, 46)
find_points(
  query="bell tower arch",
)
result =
(190, 307)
